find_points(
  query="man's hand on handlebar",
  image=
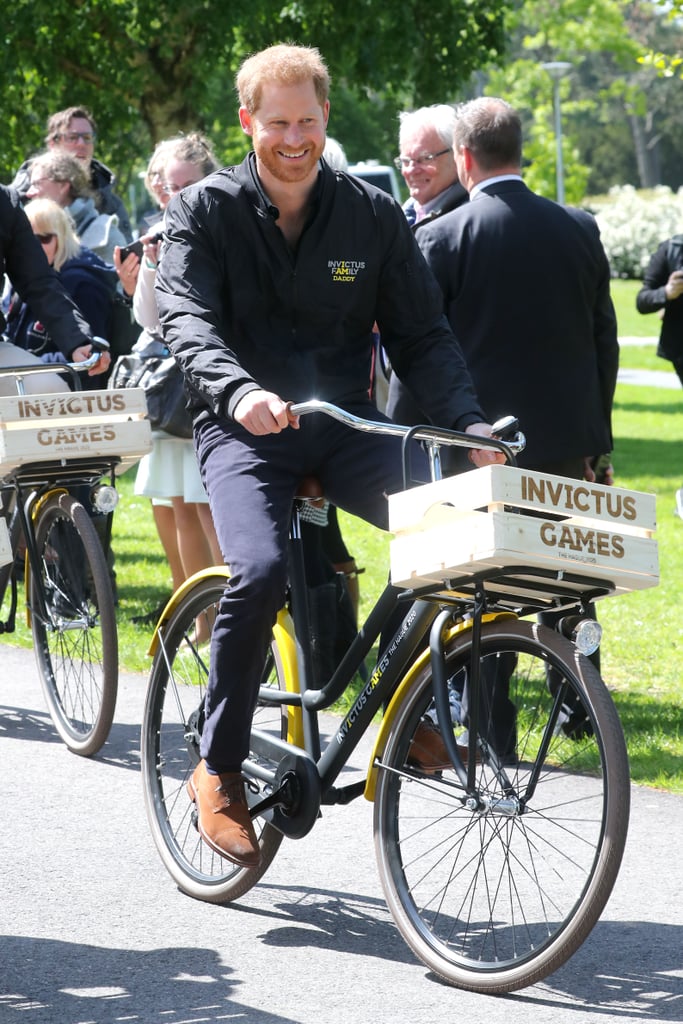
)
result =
(478, 456)
(84, 352)
(262, 412)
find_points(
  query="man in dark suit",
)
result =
(427, 163)
(526, 288)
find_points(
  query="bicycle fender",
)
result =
(37, 506)
(175, 599)
(404, 687)
(283, 634)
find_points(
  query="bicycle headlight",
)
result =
(105, 498)
(585, 634)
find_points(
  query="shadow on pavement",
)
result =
(65, 983)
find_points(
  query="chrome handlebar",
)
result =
(433, 436)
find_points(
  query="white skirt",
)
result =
(170, 470)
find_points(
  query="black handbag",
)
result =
(164, 387)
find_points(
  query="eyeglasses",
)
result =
(86, 137)
(47, 237)
(172, 190)
(402, 162)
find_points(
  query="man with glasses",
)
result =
(74, 130)
(427, 164)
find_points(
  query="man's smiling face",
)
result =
(288, 131)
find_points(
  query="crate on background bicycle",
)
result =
(80, 424)
(502, 516)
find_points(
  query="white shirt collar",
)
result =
(493, 181)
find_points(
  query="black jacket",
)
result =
(241, 311)
(652, 296)
(91, 283)
(23, 260)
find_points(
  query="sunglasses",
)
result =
(44, 239)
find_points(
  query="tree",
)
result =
(150, 68)
(620, 122)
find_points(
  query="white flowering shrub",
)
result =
(633, 223)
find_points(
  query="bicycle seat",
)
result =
(311, 490)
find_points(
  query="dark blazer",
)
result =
(453, 197)
(526, 287)
(652, 297)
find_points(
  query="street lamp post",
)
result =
(557, 69)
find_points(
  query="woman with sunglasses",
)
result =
(87, 279)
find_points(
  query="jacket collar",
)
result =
(248, 179)
(498, 185)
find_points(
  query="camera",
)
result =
(135, 247)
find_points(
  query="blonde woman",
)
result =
(169, 475)
(89, 281)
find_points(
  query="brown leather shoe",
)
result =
(224, 821)
(428, 751)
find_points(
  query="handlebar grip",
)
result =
(99, 344)
(505, 428)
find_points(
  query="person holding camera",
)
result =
(661, 292)
(169, 475)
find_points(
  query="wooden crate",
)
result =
(74, 425)
(502, 516)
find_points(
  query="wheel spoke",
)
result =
(496, 888)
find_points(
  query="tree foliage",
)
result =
(620, 122)
(150, 68)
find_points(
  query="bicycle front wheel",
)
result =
(76, 641)
(496, 887)
(172, 723)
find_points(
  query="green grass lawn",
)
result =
(642, 649)
(631, 323)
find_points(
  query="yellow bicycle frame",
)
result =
(283, 634)
(285, 653)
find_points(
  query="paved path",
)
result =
(650, 378)
(93, 930)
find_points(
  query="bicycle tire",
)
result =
(77, 654)
(171, 728)
(490, 899)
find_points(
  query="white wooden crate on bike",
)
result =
(74, 425)
(502, 516)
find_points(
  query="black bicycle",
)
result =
(48, 500)
(495, 864)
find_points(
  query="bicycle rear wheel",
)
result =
(171, 729)
(76, 645)
(495, 889)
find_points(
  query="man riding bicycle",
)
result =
(272, 276)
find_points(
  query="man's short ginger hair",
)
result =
(283, 64)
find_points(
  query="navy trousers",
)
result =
(251, 482)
